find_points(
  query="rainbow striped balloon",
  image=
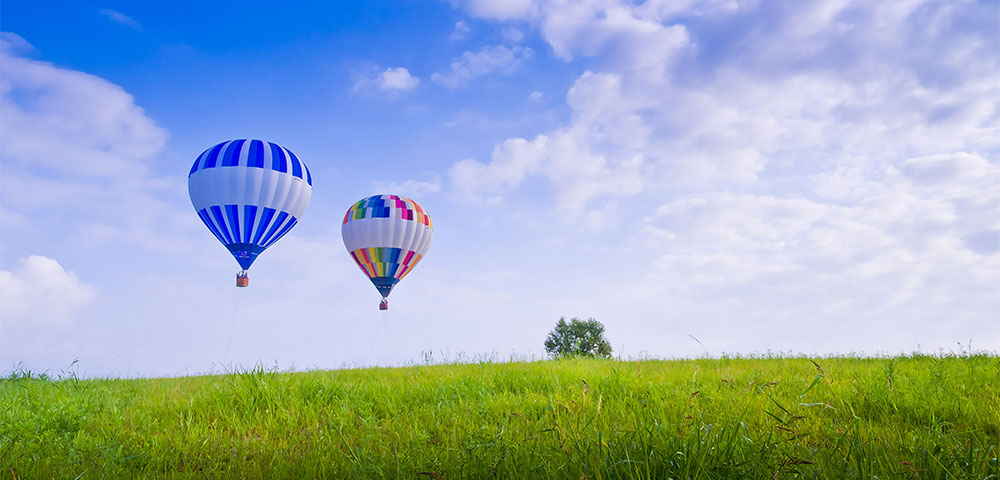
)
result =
(387, 235)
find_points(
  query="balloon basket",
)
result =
(384, 305)
(242, 280)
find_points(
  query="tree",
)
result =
(584, 338)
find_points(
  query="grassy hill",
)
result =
(915, 416)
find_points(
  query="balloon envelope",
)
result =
(387, 235)
(249, 193)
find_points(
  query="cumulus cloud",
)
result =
(77, 155)
(39, 292)
(486, 60)
(14, 44)
(390, 82)
(398, 79)
(889, 261)
(585, 175)
(827, 160)
(498, 9)
(574, 158)
(411, 187)
(53, 114)
(824, 86)
(512, 34)
(961, 168)
(121, 18)
(461, 30)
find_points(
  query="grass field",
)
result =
(919, 416)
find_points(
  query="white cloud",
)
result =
(460, 31)
(410, 187)
(52, 115)
(582, 175)
(572, 158)
(885, 262)
(486, 60)
(397, 79)
(953, 168)
(390, 82)
(14, 44)
(511, 163)
(823, 167)
(666, 10)
(41, 293)
(121, 18)
(512, 34)
(76, 152)
(536, 96)
(827, 86)
(498, 9)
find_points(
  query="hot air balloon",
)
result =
(387, 235)
(249, 193)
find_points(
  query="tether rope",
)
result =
(390, 342)
(381, 325)
(351, 321)
(298, 326)
(405, 322)
(232, 324)
(164, 329)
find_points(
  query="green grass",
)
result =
(919, 416)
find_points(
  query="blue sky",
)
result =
(816, 177)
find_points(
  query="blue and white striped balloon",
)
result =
(249, 193)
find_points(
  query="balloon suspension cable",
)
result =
(243, 278)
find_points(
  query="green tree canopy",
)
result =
(578, 337)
